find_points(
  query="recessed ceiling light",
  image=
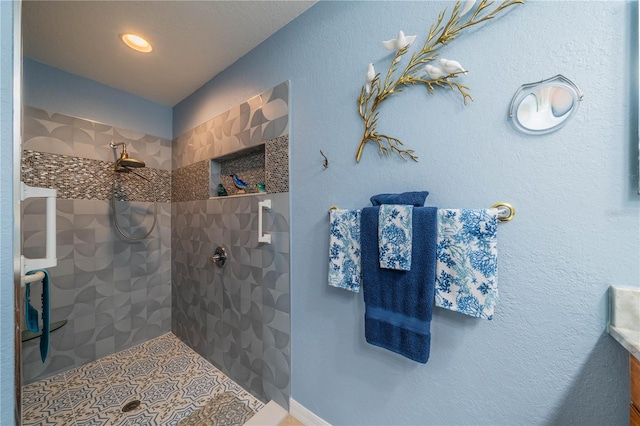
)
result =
(136, 42)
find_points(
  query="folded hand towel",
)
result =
(31, 313)
(416, 198)
(399, 304)
(344, 249)
(395, 233)
(467, 261)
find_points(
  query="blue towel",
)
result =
(30, 313)
(46, 326)
(399, 304)
(416, 198)
(395, 235)
(344, 249)
(467, 261)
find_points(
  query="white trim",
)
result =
(305, 416)
(270, 415)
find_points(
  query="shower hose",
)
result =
(115, 215)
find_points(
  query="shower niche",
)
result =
(265, 165)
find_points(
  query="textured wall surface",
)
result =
(236, 317)
(113, 293)
(7, 177)
(545, 358)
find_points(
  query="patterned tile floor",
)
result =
(170, 380)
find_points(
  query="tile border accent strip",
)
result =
(276, 164)
(192, 182)
(84, 178)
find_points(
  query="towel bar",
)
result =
(506, 211)
(50, 260)
(27, 279)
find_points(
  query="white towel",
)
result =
(467, 257)
(345, 269)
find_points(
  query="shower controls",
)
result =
(219, 258)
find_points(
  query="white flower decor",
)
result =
(442, 75)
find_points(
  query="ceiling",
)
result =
(192, 40)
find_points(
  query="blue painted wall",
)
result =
(59, 91)
(546, 357)
(6, 214)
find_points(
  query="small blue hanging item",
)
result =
(46, 326)
(31, 313)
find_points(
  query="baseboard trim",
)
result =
(305, 416)
(271, 414)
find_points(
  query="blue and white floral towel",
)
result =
(467, 261)
(395, 233)
(345, 270)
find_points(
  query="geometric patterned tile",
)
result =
(261, 118)
(238, 318)
(160, 391)
(199, 386)
(113, 294)
(169, 379)
(180, 414)
(224, 409)
(177, 365)
(141, 368)
(143, 418)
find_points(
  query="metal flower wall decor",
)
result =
(421, 69)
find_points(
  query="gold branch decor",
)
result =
(443, 75)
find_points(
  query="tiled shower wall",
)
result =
(237, 317)
(114, 293)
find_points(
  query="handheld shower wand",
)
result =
(125, 164)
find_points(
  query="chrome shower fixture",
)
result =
(125, 163)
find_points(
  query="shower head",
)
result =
(125, 162)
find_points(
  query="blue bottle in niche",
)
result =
(222, 192)
(261, 187)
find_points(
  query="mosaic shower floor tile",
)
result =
(169, 379)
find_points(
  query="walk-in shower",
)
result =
(126, 164)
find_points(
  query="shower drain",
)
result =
(129, 406)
